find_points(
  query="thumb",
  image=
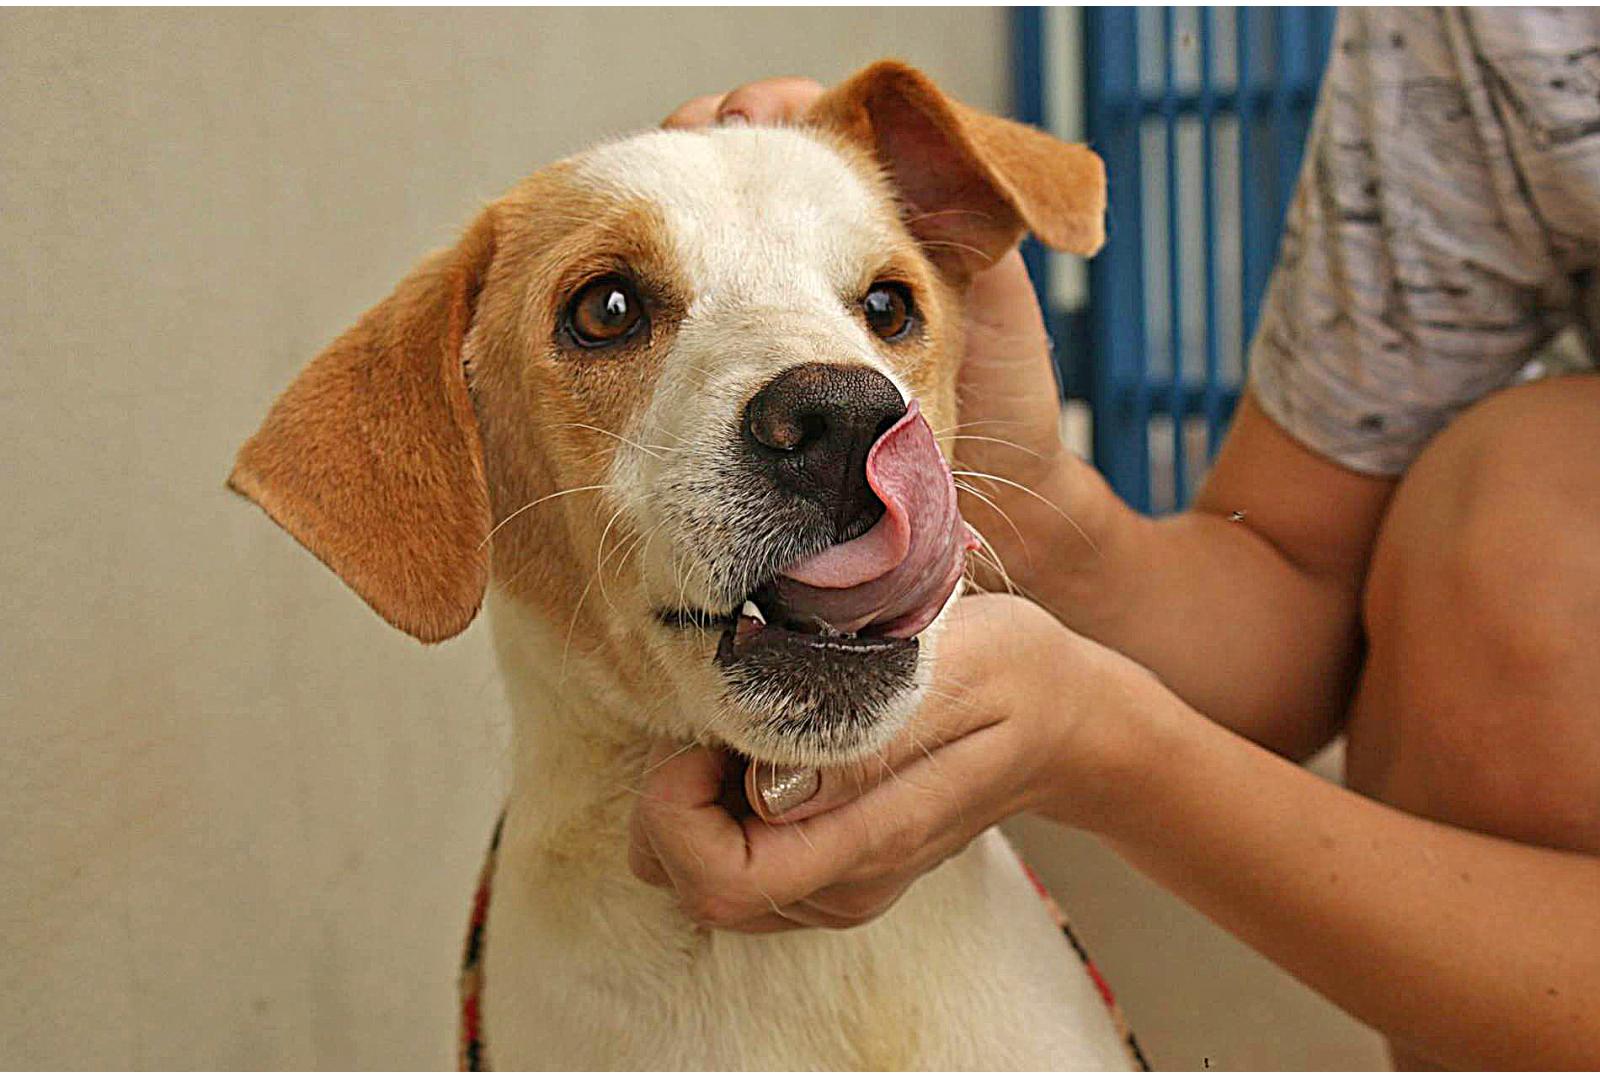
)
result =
(783, 794)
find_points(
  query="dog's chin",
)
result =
(796, 692)
(817, 699)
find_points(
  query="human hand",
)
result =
(1023, 715)
(1016, 478)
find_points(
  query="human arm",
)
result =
(1479, 951)
(1247, 604)
(1253, 621)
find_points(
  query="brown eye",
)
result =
(605, 312)
(888, 309)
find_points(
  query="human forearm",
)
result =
(1247, 604)
(1227, 621)
(1477, 951)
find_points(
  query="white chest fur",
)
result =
(591, 970)
(585, 967)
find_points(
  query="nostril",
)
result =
(813, 427)
(777, 432)
(789, 432)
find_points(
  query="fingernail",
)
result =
(784, 788)
(733, 117)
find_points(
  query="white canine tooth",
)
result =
(750, 611)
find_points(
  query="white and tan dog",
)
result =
(668, 404)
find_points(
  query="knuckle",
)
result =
(713, 910)
(899, 846)
(649, 814)
(799, 85)
(695, 111)
(857, 907)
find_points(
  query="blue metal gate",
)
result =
(1201, 117)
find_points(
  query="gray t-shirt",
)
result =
(1445, 226)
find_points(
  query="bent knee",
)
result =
(1493, 536)
(1482, 612)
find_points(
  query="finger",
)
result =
(696, 112)
(727, 871)
(795, 916)
(786, 794)
(853, 905)
(694, 838)
(642, 859)
(1001, 299)
(932, 809)
(770, 101)
(802, 914)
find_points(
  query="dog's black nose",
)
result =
(811, 428)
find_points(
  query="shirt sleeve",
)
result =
(1415, 275)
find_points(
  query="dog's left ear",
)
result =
(972, 183)
(372, 457)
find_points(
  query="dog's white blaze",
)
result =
(775, 235)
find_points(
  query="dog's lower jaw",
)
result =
(587, 967)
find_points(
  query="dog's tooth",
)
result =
(750, 611)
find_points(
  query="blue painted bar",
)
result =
(1254, 204)
(1191, 401)
(1117, 383)
(1285, 53)
(1028, 104)
(1212, 400)
(1226, 101)
(1280, 54)
(1169, 49)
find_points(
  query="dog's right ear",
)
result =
(372, 459)
(971, 183)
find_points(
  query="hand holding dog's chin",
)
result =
(1024, 715)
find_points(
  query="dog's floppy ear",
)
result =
(371, 458)
(972, 183)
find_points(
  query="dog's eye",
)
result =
(604, 312)
(888, 309)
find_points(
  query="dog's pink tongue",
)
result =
(896, 576)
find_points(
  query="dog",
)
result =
(670, 406)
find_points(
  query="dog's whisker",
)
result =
(601, 557)
(653, 451)
(1007, 586)
(914, 218)
(962, 485)
(989, 561)
(542, 499)
(939, 771)
(640, 541)
(886, 766)
(776, 910)
(957, 245)
(1025, 489)
(1002, 442)
(989, 555)
(942, 432)
(684, 749)
(936, 692)
(572, 625)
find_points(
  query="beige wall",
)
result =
(240, 816)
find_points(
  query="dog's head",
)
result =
(679, 398)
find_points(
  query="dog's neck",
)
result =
(578, 744)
